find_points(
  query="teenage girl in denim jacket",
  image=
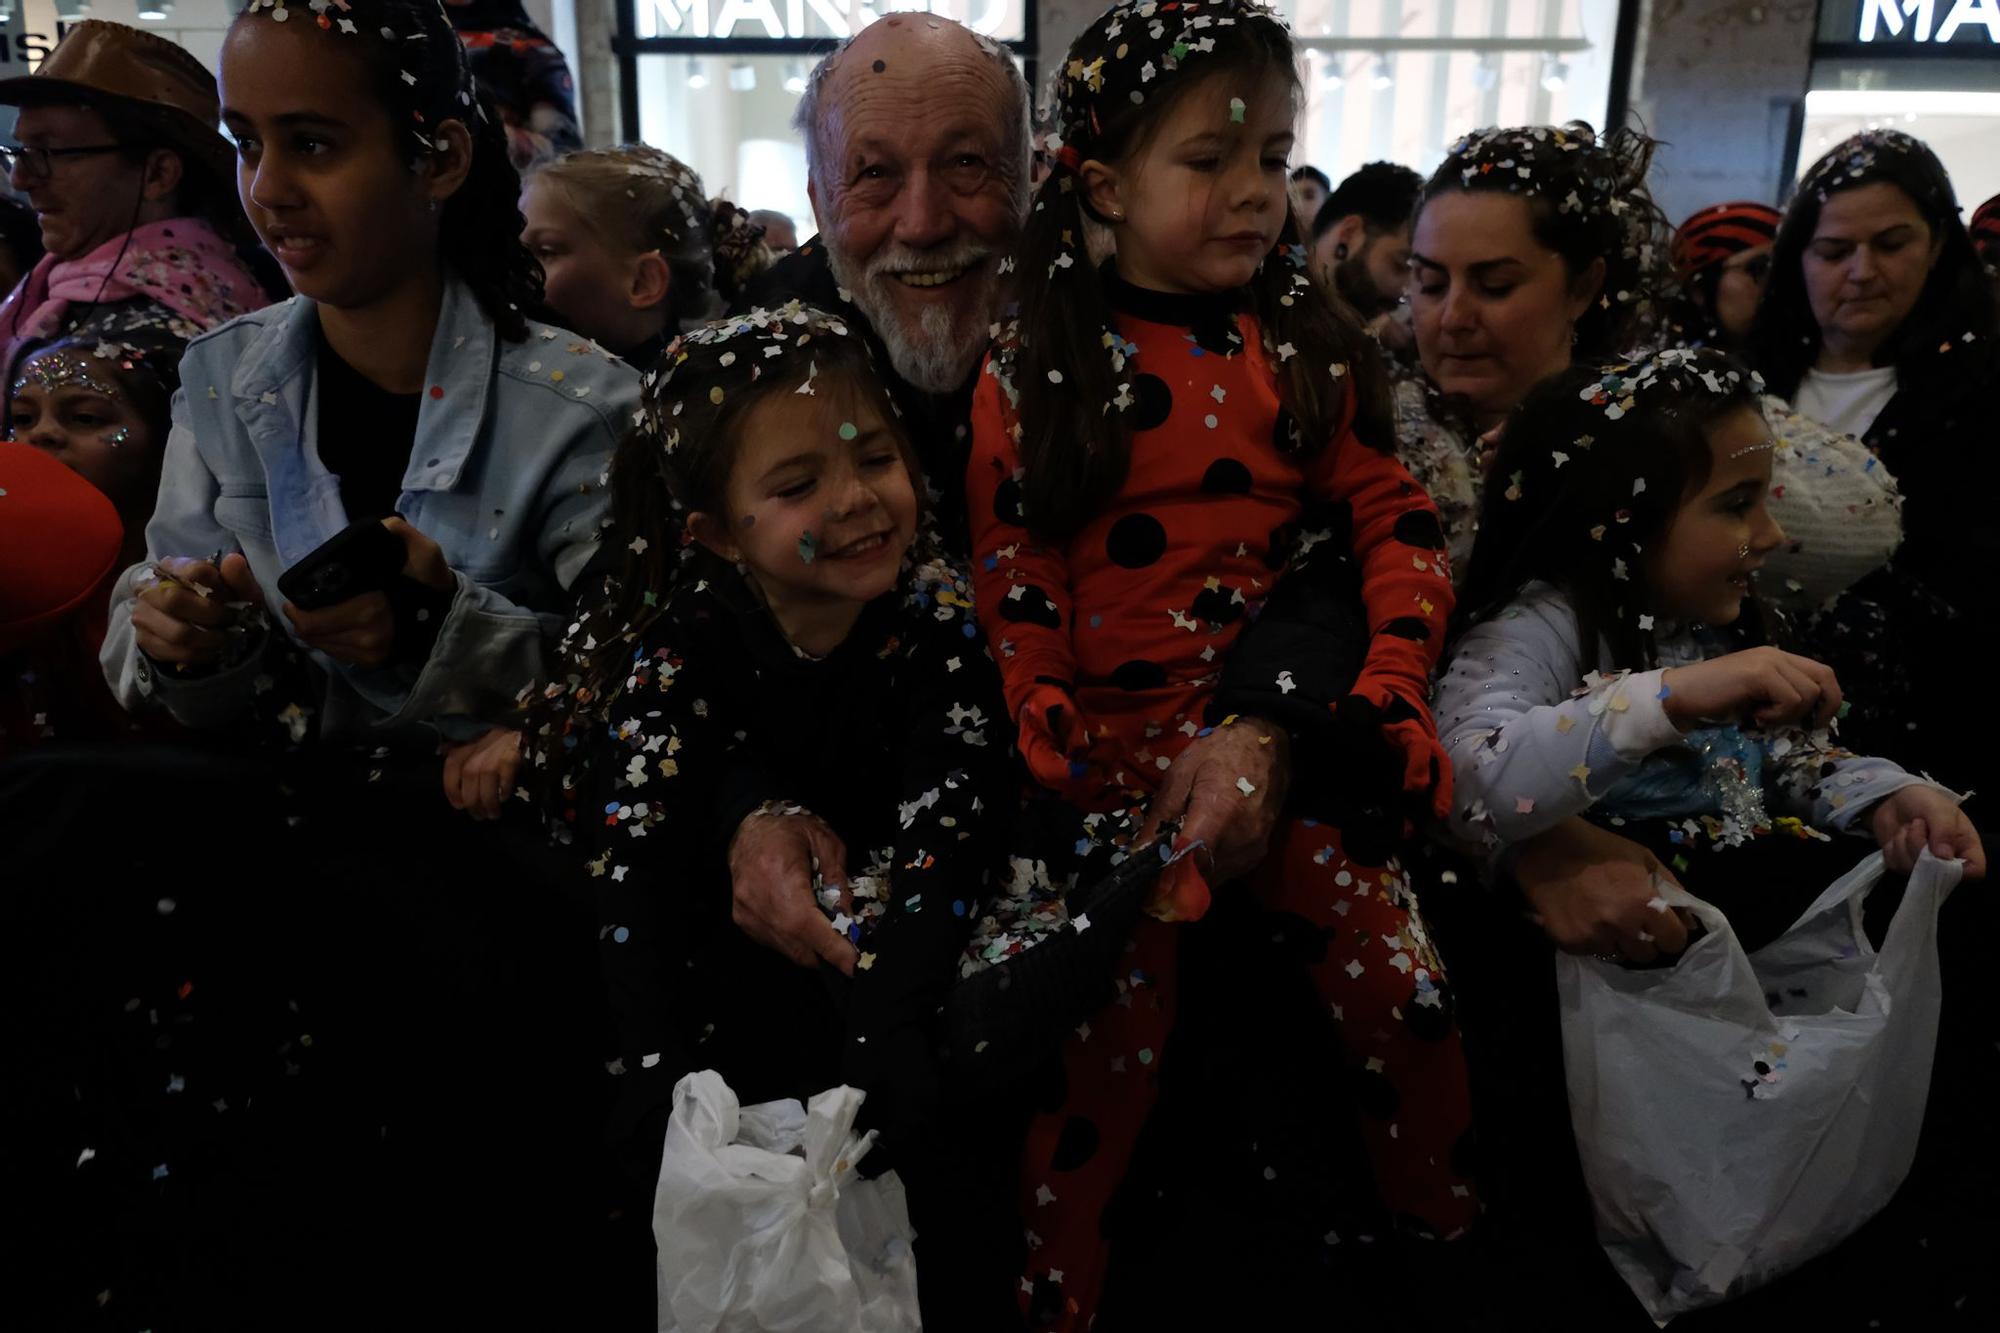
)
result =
(403, 383)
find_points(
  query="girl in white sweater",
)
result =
(1615, 665)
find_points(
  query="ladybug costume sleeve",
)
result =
(1405, 573)
(1023, 596)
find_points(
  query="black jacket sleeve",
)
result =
(956, 791)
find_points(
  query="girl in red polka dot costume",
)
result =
(1155, 444)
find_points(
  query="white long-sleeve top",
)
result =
(1536, 733)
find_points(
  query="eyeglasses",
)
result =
(42, 161)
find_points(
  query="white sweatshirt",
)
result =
(1536, 734)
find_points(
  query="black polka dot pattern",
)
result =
(1218, 606)
(1152, 403)
(1136, 540)
(1031, 607)
(1218, 336)
(1077, 1145)
(1226, 476)
(1419, 528)
(1377, 1095)
(1007, 503)
(1139, 674)
(1408, 627)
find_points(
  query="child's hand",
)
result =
(180, 616)
(1053, 735)
(1906, 822)
(1420, 768)
(479, 775)
(1771, 687)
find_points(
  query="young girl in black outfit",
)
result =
(777, 628)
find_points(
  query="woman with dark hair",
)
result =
(120, 159)
(1541, 247)
(1880, 321)
(1532, 247)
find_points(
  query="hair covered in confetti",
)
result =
(639, 199)
(420, 75)
(1591, 470)
(677, 461)
(1123, 75)
(1587, 200)
(1957, 298)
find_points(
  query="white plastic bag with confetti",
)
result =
(1739, 1114)
(764, 1226)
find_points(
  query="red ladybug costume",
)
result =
(1117, 638)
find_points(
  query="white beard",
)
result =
(940, 353)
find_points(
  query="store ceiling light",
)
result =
(1385, 73)
(742, 77)
(6, 10)
(795, 78)
(1555, 73)
(72, 11)
(697, 73)
(155, 11)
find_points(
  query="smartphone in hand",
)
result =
(362, 558)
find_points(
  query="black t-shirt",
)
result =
(365, 436)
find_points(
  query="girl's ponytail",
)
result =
(739, 249)
(1074, 452)
(480, 236)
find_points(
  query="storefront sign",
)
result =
(1930, 21)
(819, 19)
(31, 32)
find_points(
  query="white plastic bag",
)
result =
(763, 1225)
(1738, 1115)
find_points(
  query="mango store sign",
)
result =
(818, 19)
(1930, 21)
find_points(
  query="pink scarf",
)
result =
(181, 263)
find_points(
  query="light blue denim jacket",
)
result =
(507, 475)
